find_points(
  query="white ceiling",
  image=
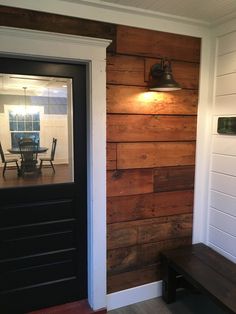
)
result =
(206, 11)
(14, 84)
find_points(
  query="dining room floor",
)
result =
(186, 303)
(62, 174)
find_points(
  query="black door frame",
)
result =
(49, 68)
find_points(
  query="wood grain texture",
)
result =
(129, 208)
(129, 182)
(137, 100)
(125, 234)
(134, 257)
(152, 128)
(174, 178)
(157, 154)
(185, 73)
(142, 42)
(111, 156)
(133, 278)
(125, 70)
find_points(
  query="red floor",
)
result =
(78, 307)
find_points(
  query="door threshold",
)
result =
(77, 307)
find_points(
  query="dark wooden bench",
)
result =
(203, 268)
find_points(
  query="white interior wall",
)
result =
(50, 126)
(222, 188)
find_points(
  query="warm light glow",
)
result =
(151, 96)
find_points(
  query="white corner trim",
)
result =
(133, 295)
(203, 143)
(51, 46)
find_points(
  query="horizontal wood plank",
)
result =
(129, 258)
(174, 178)
(129, 182)
(125, 234)
(185, 73)
(143, 42)
(134, 207)
(137, 100)
(151, 155)
(125, 70)
(150, 128)
(133, 278)
(111, 156)
(179, 226)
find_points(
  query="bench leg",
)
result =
(168, 282)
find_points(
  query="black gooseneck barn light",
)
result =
(161, 77)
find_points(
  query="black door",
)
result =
(43, 224)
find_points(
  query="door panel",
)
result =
(43, 226)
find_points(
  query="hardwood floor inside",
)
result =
(62, 174)
(77, 307)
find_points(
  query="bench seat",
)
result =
(205, 269)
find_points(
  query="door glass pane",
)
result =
(36, 115)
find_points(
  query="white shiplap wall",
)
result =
(222, 210)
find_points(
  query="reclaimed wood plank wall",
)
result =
(150, 141)
(151, 153)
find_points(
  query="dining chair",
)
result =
(51, 158)
(29, 155)
(7, 161)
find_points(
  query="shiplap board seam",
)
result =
(223, 95)
(226, 94)
(219, 229)
(225, 74)
(214, 190)
(221, 211)
(226, 53)
(226, 155)
(225, 174)
(227, 235)
(222, 251)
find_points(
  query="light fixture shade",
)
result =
(161, 77)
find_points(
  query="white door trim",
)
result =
(45, 45)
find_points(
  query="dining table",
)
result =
(31, 166)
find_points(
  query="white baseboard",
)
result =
(134, 295)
